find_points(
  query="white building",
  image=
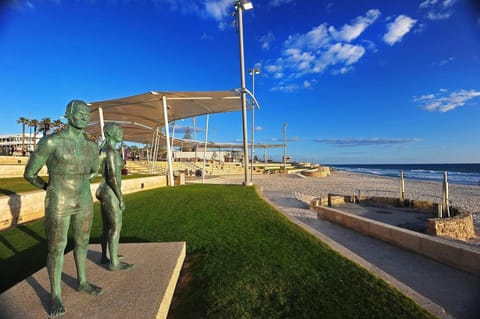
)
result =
(12, 143)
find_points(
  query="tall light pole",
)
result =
(240, 6)
(252, 72)
(284, 147)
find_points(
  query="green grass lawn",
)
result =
(245, 259)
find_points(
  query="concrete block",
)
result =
(440, 251)
(405, 239)
(378, 230)
(142, 292)
(470, 260)
(352, 222)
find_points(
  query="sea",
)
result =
(464, 174)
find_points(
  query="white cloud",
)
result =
(277, 3)
(258, 128)
(398, 29)
(219, 9)
(428, 3)
(339, 54)
(273, 68)
(319, 49)
(444, 102)
(370, 45)
(438, 10)
(352, 31)
(446, 61)
(185, 7)
(307, 84)
(352, 142)
(313, 39)
(266, 40)
(285, 88)
(448, 3)
(439, 15)
(343, 70)
(205, 36)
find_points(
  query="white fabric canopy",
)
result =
(141, 115)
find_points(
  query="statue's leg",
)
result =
(81, 225)
(114, 215)
(56, 228)
(105, 232)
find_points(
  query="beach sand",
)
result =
(345, 183)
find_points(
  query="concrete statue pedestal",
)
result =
(142, 292)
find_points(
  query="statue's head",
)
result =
(77, 114)
(113, 131)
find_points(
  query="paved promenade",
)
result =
(443, 290)
(457, 292)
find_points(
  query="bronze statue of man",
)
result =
(72, 160)
(110, 195)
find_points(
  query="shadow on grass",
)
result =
(4, 191)
(187, 288)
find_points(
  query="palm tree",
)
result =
(23, 121)
(45, 125)
(34, 123)
(58, 124)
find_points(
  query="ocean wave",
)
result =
(417, 173)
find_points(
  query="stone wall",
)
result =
(25, 207)
(459, 227)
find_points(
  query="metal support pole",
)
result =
(155, 151)
(402, 188)
(265, 158)
(169, 151)
(239, 9)
(445, 204)
(205, 151)
(102, 123)
(252, 73)
(173, 134)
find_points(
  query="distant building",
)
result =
(11, 144)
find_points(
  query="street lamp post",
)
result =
(252, 72)
(240, 6)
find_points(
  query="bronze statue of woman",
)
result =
(110, 195)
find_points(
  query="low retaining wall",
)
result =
(14, 160)
(16, 170)
(25, 207)
(459, 227)
(456, 255)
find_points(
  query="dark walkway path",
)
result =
(457, 292)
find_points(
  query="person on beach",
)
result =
(110, 195)
(72, 160)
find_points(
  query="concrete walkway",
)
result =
(441, 289)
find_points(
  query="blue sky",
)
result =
(356, 81)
